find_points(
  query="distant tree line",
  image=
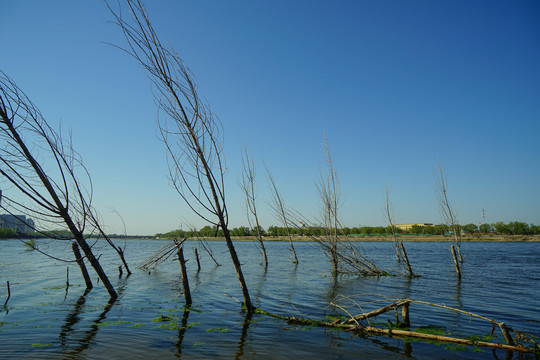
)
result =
(498, 228)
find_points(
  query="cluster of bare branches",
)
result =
(47, 181)
(189, 130)
(281, 212)
(449, 215)
(247, 184)
(330, 196)
(401, 254)
(345, 256)
(521, 341)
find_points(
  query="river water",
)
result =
(45, 320)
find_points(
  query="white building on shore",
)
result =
(20, 223)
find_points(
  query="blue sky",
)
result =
(398, 87)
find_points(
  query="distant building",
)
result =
(20, 223)
(407, 227)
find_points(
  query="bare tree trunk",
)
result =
(447, 212)
(280, 212)
(330, 202)
(406, 258)
(247, 299)
(185, 281)
(456, 263)
(192, 138)
(29, 177)
(80, 262)
(197, 258)
(248, 186)
(398, 244)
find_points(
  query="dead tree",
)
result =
(401, 254)
(185, 281)
(247, 184)
(45, 177)
(330, 196)
(448, 214)
(188, 129)
(280, 211)
(345, 256)
(101, 233)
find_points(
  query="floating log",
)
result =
(382, 310)
(352, 325)
(414, 334)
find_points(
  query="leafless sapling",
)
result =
(330, 197)
(247, 184)
(280, 211)
(401, 254)
(448, 214)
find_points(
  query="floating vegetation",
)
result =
(431, 329)
(30, 245)
(219, 330)
(161, 318)
(109, 323)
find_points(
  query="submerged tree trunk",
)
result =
(185, 281)
(406, 259)
(247, 299)
(456, 263)
(80, 262)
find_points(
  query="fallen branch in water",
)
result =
(352, 325)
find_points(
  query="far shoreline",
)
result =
(359, 238)
(379, 238)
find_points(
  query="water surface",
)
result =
(44, 321)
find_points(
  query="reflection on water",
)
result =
(42, 320)
(243, 335)
(182, 331)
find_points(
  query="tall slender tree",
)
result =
(44, 172)
(280, 211)
(448, 213)
(188, 128)
(247, 184)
